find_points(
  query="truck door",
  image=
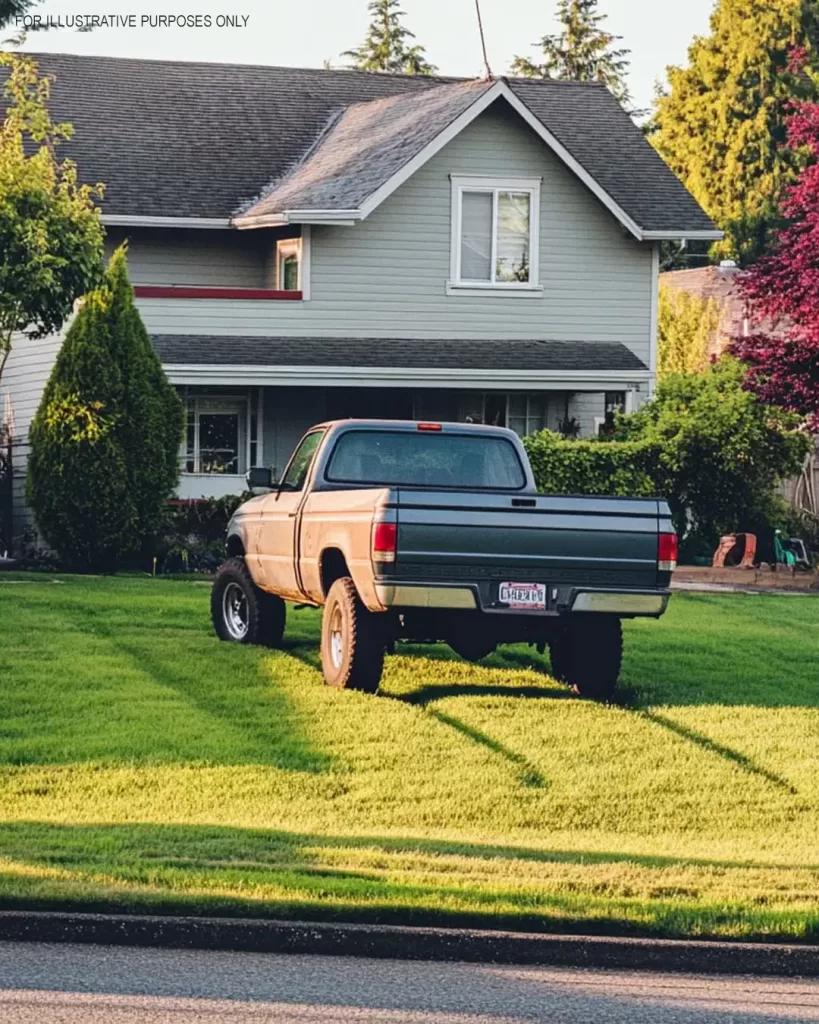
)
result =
(278, 539)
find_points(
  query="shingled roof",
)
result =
(405, 353)
(367, 145)
(194, 140)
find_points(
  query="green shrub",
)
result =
(105, 440)
(564, 466)
(721, 452)
(703, 442)
(192, 535)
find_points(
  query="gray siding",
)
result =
(389, 273)
(219, 259)
(24, 378)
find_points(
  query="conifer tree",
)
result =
(105, 441)
(387, 47)
(582, 51)
(721, 124)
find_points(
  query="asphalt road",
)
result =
(53, 984)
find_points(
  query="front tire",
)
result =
(353, 641)
(241, 612)
(590, 656)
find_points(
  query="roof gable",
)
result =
(374, 147)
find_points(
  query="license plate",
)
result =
(529, 596)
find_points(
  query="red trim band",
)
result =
(152, 291)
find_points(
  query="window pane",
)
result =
(615, 401)
(219, 442)
(476, 236)
(537, 413)
(300, 464)
(426, 460)
(289, 273)
(513, 236)
(517, 404)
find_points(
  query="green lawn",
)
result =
(144, 765)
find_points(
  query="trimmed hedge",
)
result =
(622, 469)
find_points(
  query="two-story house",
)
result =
(313, 244)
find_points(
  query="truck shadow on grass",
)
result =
(629, 698)
(241, 872)
(426, 694)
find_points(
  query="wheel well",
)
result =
(235, 547)
(333, 567)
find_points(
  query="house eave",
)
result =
(134, 220)
(391, 376)
(681, 234)
(339, 218)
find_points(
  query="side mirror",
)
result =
(259, 479)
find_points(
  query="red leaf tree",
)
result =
(782, 290)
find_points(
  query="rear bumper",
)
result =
(623, 602)
(421, 595)
(650, 604)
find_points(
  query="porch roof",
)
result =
(230, 351)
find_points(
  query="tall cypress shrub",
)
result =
(105, 441)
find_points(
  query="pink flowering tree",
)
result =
(782, 289)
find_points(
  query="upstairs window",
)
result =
(288, 265)
(495, 233)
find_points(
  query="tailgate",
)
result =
(492, 535)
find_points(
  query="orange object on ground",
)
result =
(727, 545)
(749, 558)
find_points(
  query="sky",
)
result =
(309, 32)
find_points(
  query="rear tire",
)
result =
(241, 612)
(591, 656)
(353, 641)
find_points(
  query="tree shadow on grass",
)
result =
(747, 764)
(208, 870)
(177, 699)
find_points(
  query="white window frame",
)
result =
(529, 415)
(237, 400)
(462, 183)
(289, 247)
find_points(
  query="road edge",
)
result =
(395, 942)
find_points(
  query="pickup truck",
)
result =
(431, 532)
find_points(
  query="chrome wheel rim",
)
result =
(336, 638)
(235, 611)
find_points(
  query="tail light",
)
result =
(667, 552)
(385, 542)
(434, 427)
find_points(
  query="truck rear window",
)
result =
(426, 460)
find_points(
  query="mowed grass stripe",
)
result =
(142, 761)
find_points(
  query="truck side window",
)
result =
(299, 466)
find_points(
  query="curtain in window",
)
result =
(476, 236)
